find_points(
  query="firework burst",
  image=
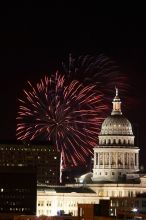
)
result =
(99, 70)
(69, 115)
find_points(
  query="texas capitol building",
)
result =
(115, 170)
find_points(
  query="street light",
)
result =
(134, 210)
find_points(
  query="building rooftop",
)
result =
(65, 189)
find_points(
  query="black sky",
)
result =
(34, 41)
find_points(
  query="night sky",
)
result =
(34, 42)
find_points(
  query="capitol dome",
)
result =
(116, 125)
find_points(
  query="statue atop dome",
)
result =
(116, 91)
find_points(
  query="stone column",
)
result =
(103, 160)
(123, 160)
(107, 159)
(135, 160)
(110, 160)
(94, 159)
(129, 161)
(138, 160)
(99, 159)
(116, 159)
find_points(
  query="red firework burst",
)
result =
(68, 115)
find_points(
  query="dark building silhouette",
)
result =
(90, 211)
(18, 190)
(44, 157)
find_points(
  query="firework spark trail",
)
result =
(69, 115)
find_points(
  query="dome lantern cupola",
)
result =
(116, 104)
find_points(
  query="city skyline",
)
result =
(34, 45)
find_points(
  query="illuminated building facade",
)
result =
(50, 201)
(41, 156)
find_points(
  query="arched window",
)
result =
(120, 142)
